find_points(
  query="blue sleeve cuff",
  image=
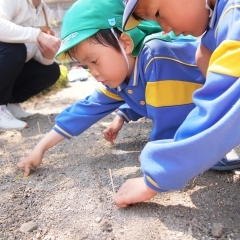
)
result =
(123, 116)
(57, 129)
(153, 185)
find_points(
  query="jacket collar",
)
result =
(133, 81)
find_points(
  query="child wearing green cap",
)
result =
(214, 123)
(155, 77)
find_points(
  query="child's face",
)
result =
(105, 63)
(181, 16)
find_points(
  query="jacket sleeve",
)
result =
(127, 114)
(39, 57)
(14, 33)
(77, 118)
(211, 129)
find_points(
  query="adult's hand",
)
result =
(133, 191)
(48, 45)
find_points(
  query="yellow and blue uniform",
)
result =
(211, 129)
(160, 88)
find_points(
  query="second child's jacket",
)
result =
(212, 129)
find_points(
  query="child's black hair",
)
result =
(104, 37)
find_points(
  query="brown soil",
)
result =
(70, 195)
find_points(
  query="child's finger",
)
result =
(20, 165)
(108, 136)
(119, 201)
(26, 171)
(24, 167)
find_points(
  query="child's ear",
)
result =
(126, 42)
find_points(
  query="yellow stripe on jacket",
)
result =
(151, 181)
(226, 59)
(170, 93)
(109, 94)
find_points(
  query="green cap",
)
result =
(86, 17)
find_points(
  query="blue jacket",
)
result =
(212, 128)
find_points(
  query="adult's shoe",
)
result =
(8, 121)
(17, 111)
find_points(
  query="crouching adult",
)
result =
(27, 50)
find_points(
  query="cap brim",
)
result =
(72, 40)
(129, 22)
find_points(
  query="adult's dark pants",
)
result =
(20, 80)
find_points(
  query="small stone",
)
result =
(180, 234)
(28, 227)
(98, 219)
(38, 235)
(217, 229)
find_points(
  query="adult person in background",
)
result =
(27, 51)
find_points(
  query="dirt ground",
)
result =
(70, 196)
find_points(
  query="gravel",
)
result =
(70, 197)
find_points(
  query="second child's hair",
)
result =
(104, 37)
(137, 17)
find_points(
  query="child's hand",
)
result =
(133, 191)
(33, 160)
(112, 130)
